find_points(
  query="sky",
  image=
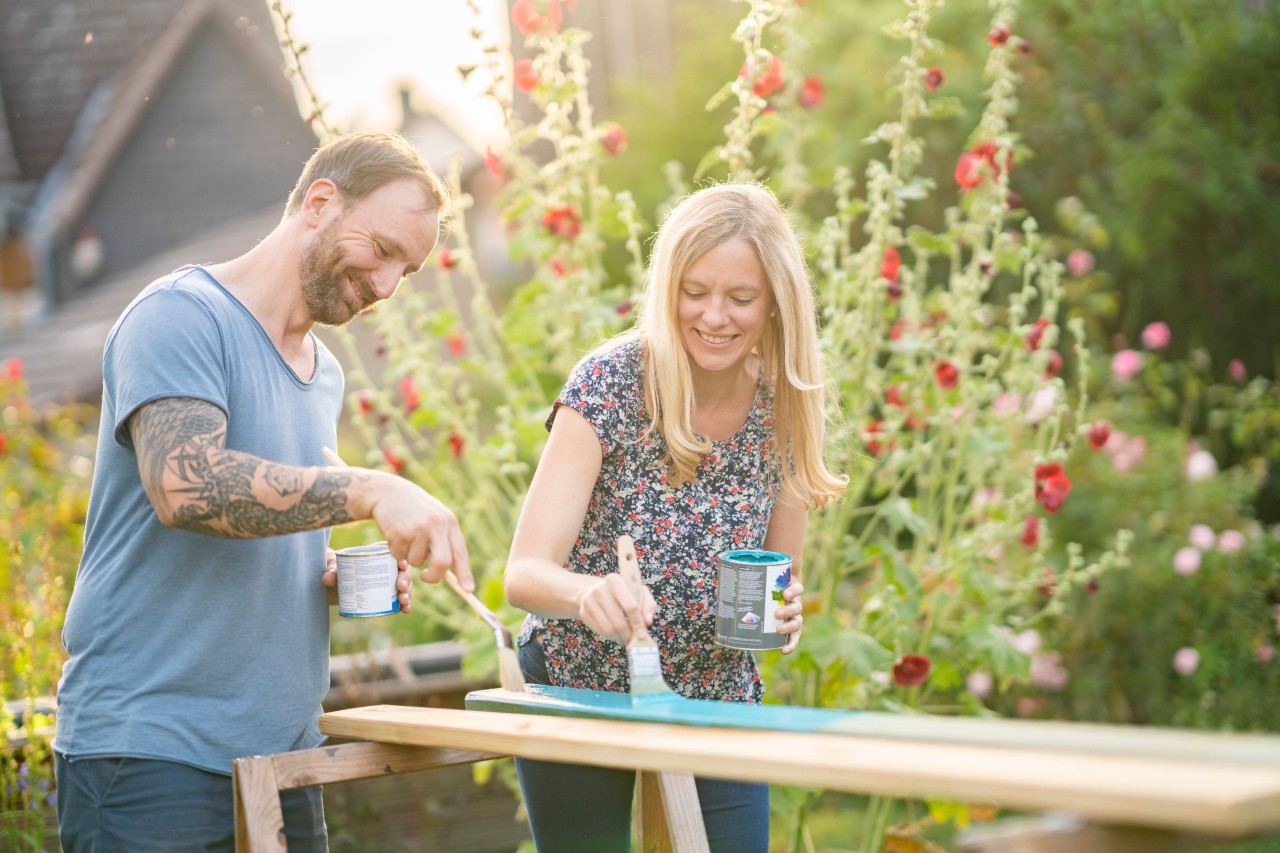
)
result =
(359, 52)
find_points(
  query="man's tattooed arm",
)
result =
(195, 483)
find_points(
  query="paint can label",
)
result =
(367, 581)
(748, 592)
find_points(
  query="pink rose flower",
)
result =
(1231, 541)
(1186, 561)
(1156, 336)
(1186, 660)
(1126, 364)
(979, 683)
(1200, 465)
(1203, 537)
(1079, 262)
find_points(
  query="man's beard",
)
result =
(324, 282)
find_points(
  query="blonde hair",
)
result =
(789, 350)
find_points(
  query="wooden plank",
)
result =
(1233, 748)
(1233, 800)
(349, 761)
(669, 814)
(259, 819)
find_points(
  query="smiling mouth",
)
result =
(716, 339)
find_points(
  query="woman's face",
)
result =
(724, 306)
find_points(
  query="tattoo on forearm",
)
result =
(206, 488)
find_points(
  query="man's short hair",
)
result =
(359, 163)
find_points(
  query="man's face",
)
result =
(365, 248)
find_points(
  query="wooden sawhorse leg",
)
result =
(669, 814)
(258, 780)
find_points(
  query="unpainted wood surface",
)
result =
(1231, 800)
(669, 814)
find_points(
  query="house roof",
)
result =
(54, 54)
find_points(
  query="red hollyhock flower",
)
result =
(624, 307)
(564, 221)
(896, 330)
(870, 434)
(1024, 47)
(494, 163)
(13, 369)
(447, 259)
(968, 170)
(934, 78)
(813, 93)
(1036, 333)
(365, 401)
(526, 78)
(1098, 434)
(769, 81)
(946, 374)
(1054, 365)
(892, 263)
(557, 266)
(411, 397)
(614, 140)
(529, 20)
(1052, 486)
(455, 344)
(396, 463)
(893, 290)
(911, 670)
(894, 395)
(998, 35)
(1030, 531)
(455, 445)
(4, 443)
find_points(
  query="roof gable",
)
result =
(55, 53)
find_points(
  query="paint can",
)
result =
(748, 591)
(367, 581)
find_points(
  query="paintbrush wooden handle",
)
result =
(629, 568)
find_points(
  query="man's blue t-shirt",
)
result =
(183, 646)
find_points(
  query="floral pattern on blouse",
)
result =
(678, 532)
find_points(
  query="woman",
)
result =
(674, 434)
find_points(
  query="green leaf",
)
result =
(900, 516)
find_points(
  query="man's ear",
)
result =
(322, 193)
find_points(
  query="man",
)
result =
(198, 628)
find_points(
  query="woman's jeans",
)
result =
(579, 809)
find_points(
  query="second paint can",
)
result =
(367, 581)
(748, 592)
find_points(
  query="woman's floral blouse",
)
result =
(678, 532)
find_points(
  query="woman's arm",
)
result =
(786, 533)
(550, 521)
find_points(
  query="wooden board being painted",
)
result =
(1073, 737)
(1228, 799)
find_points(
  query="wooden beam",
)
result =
(1232, 800)
(350, 761)
(668, 814)
(259, 819)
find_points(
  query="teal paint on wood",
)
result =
(1231, 748)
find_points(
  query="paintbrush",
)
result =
(642, 652)
(509, 675)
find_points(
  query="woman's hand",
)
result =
(609, 608)
(790, 617)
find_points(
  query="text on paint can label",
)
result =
(367, 581)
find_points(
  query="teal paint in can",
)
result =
(748, 592)
(367, 581)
